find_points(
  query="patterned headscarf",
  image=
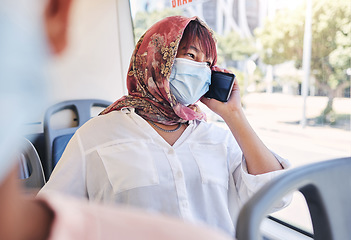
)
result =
(149, 73)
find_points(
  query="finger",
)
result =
(204, 100)
(208, 101)
(236, 84)
(218, 69)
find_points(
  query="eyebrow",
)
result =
(191, 47)
(194, 48)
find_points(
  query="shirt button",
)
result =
(170, 151)
(180, 174)
(185, 204)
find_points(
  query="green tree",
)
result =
(282, 40)
(232, 47)
(144, 20)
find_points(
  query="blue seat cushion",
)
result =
(59, 146)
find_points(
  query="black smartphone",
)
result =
(221, 86)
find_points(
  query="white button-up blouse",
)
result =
(119, 158)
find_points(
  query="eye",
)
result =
(191, 55)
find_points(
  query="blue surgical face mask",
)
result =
(189, 80)
(24, 54)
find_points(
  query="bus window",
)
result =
(293, 63)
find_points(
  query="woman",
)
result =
(154, 150)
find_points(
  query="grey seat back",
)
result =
(57, 139)
(31, 171)
(326, 187)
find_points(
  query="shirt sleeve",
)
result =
(69, 175)
(247, 184)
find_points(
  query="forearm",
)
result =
(258, 158)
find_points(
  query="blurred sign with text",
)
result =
(178, 3)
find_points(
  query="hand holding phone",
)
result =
(221, 86)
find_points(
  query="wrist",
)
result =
(232, 114)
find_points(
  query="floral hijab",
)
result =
(149, 73)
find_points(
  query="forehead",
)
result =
(195, 46)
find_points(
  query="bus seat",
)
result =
(31, 170)
(57, 139)
(326, 187)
